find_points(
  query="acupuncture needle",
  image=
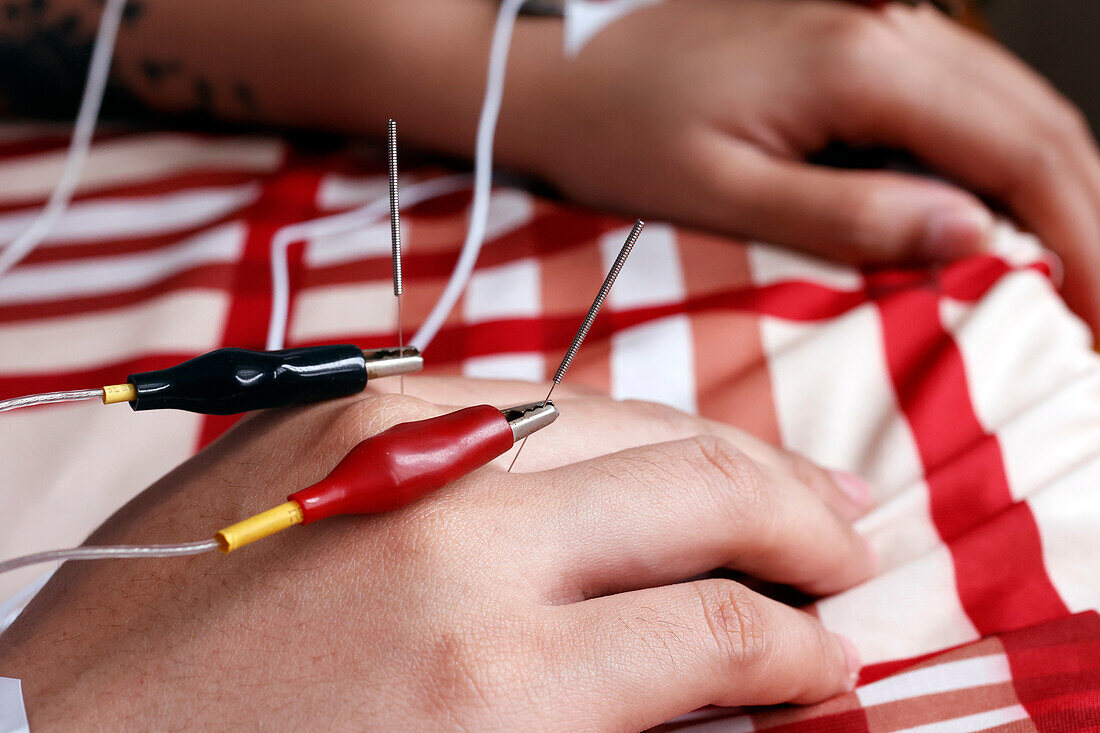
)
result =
(395, 235)
(586, 324)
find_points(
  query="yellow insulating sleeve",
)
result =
(113, 393)
(262, 525)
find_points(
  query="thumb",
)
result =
(847, 215)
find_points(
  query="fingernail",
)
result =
(851, 661)
(957, 232)
(854, 487)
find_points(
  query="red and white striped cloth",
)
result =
(968, 395)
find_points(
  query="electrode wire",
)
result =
(483, 175)
(110, 552)
(46, 398)
(586, 324)
(99, 69)
(342, 223)
(395, 233)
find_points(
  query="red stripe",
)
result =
(286, 198)
(999, 572)
(1056, 672)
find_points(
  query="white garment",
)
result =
(13, 716)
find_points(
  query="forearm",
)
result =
(341, 65)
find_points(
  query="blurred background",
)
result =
(1061, 38)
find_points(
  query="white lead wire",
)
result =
(483, 175)
(98, 71)
(318, 229)
(372, 212)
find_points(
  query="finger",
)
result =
(659, 514)
(967, 131)
(594, 426)
(851, 216)
(654, 654)
(591, 424)
(988, 62)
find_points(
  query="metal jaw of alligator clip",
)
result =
(392, 362)
(529, 418)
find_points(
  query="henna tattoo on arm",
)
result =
(44, 57)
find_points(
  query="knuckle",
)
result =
(1070, 123)
(737, 485)
(854, 42)
(734, 623)
(468, 681)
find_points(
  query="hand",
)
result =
(704, 111)
(502, 601)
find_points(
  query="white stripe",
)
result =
(353, 246)
(513, 290)
(1015, 374)
(652, 275)
(528, 367)
(912, 610)
(341, 311)
(509, 209)
(91, 222)
(185, 321)
(771, 265)
(96, 276)
(976, 722)
(135, 160)
(835, 399)
(963, 674)
(343, 192)
(1068, 513)
(655, 361)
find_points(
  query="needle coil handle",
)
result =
(407, 461)
(231, 381)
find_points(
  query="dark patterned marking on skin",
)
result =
(132, 12)
(156, 71)
(245, 97)
(68, 25)
(44, 61)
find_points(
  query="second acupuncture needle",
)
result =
(395, 233)
(586, 324)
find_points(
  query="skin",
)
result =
(561, 596)
(507, 599)
(704, 112)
